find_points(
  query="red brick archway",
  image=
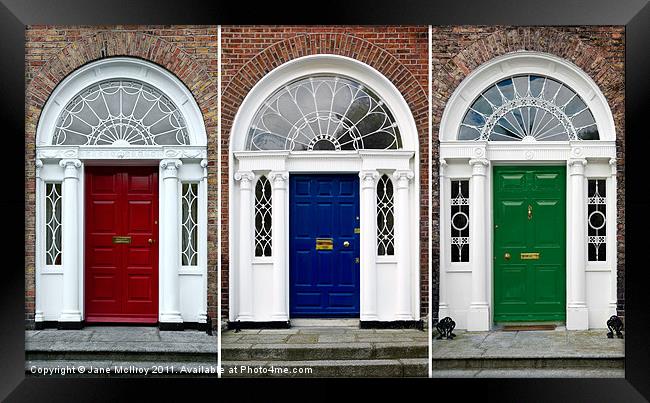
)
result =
(54, 52)
(399, 53)
(599, 51)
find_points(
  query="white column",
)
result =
(445, 194)
(170, 245)
(245, 278)
(403, 244)
(203, 239)
(577, 314)
(478, 318)
(279, 244)
(611, 237)
(38, 255)
(70, 241)
(368, 247)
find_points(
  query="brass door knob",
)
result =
(346, 244)
(506, 256)
(151, 241)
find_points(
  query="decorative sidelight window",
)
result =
(263, 246)
(385, 217)
(597, 220)
(530, 107)
(121, 112)
(189, 226)
(459, 220)
(53, 225)
(324, 112)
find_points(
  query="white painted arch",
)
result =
(258, 286)
(466, 288)
(526, 62)
(60, 288)
(126, 68)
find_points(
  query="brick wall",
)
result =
(53, 52)
(598, 50)
(398, 52)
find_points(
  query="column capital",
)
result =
(403, 175)
(204, 165)
(71, 166)
(279, 176)
(443, 167)
(171, 164)
(38, 164)
(612, 166)
(577, 166)
(368, 178)
(69, 163)
(245, 177)
(479, 166)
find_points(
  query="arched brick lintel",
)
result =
(326, 43)
(130, 44)
(566, 45)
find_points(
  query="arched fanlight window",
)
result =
(529, 107)
(120, 112)
(385, 217)
(263, 214)
(324, 112)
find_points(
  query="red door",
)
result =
(121, 249)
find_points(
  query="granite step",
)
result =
(128, 369)
(125, 351)
(403, 367)
(324, 351)
(529, 363)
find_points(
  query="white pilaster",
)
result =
(245, 278)
(611, 237)
(443, 305)
(368, 247)
(70, 241)
(403, 244)
(577, 313)
(170, 311)
(280, 236)
(38, 255)
(203, 239)
(478, 318)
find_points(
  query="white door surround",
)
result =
(60, 288)
(258, 285)
(466, 287)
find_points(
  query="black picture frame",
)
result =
(634, 14)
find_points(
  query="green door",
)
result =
(529, 244)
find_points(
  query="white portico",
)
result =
(322, 123)
(111, 116)
(527, 110)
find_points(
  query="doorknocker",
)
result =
(530, 211)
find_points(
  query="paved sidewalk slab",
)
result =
(529, 344)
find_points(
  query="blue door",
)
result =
(324, 246)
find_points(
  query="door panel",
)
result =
(324, 283)
(121, 278)
(529, 217)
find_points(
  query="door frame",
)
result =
(84, 269)
(271, 304)
(492, 234)
(358, 246)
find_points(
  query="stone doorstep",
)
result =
(530, 373)
(122, 346)
(334, 368)
(324, 351)
(527, 363)
(181, 368)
